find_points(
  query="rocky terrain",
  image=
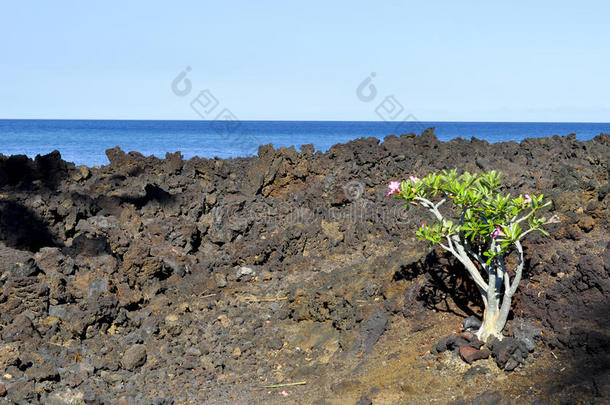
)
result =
(290, 278)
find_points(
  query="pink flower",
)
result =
(527, 199)
(421, 225)
(413, 179)
(393, 188)
(283, 393)
(497, 233)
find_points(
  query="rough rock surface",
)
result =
(203, 281)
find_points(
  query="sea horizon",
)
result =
(84, 141)
(295, 120)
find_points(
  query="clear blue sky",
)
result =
(442, 60)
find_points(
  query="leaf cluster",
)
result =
(482, 215)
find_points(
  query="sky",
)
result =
(283, 60)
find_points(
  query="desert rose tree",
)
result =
(481, 229)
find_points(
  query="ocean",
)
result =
(85, 141)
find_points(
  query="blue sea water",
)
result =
(85, 141)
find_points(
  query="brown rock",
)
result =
(466, 335)
(134, 357)
(2, 390)
(331, 229)
(221, 280)
(19, 330)
(21, 294)
(586, 223)
(43, 372)
(470, 354)
(81, 173)
(140, 267)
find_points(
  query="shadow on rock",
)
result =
(446, 282)
(586, 363)
(23, 173)
(22, 228)
(152, 192)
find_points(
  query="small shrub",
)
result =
(480, 230)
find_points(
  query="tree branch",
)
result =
(447, 248)
(505, 275)
(455, 246)
(431, 207)
(509, 290)
(516, 221)
(474, 254)
(462, 256)
(518, 272)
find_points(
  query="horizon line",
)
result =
(283, 120)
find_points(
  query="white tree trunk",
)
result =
(495, 315)
(492, 325)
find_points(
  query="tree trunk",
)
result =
(495, 315)
(492, 324)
